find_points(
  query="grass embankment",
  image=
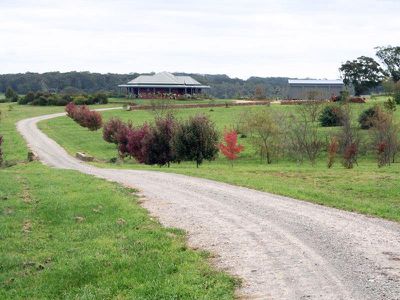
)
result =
(72, 236)
(366, 188)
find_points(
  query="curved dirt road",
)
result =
(281, 248)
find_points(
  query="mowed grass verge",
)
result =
(366, 188)
(68, 235)
(72, 236)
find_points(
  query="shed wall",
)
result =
(318, 92)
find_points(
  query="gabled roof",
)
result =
(163, 78)
(315, 82)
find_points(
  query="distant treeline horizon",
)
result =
(222, 86)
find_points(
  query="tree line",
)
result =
(86, 82)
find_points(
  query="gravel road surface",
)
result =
(281, 248)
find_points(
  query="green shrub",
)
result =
(98, 98)
(196, 140)
(367, 116)
(81, 100)
(330, 116)
(30, 97)
(11, 95)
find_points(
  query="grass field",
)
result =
(72, 236)
(366, 188)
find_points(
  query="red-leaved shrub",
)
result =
(84, 116)
(135, 142)
(111, 130)
(333, 147)
(92, 120)
(158, 143)
(70, 108)
(231, 148)
(350, 155)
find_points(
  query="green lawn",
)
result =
(72, 236)
(366, 188)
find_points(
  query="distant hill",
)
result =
(222, 86)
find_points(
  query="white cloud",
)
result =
(302, 38)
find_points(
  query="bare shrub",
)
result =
(311, 109)
(265, 132)
(161, 107)
(385, 137)
(349, 140)
(303, 138)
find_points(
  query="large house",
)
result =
(314, 89)
(162, 85)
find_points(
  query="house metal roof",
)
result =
(164, 79)
(315, 82)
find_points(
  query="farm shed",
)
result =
(314, 89)
(161, 85)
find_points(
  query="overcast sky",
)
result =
(242, 38)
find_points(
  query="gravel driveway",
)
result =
(282, 248)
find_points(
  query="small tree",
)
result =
(304, 141)
(161, 107)
(311, 109)
(196, 140)
(231, 148)
(264, 130)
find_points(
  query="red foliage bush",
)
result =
(333, 148)
(111, 130)
(231, 148)
(136, 143)
(84, 117)
(157, 145)
(70, 108)
(350, 155)
(92, 120)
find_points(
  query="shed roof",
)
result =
(315, 82)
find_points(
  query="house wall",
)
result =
(317, 92)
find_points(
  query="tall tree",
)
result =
(390, 57)
(363, 73)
